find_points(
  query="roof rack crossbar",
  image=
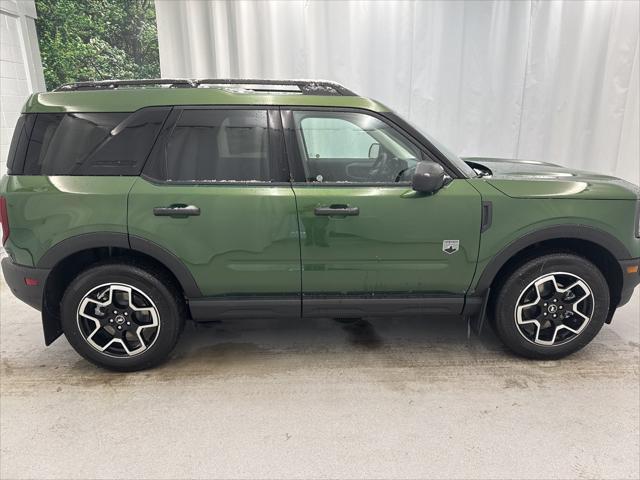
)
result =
(305, 87)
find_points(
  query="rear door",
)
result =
(215, 194)
(365, 234)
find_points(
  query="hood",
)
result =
(532, 179)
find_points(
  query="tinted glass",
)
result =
(92, 143)
(43, 130)
(218, 145)
(353, 147)
(128, 145)
(19, 143)
(61, 143)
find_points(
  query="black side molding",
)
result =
(573, 232)
(15, 275)
(629, 280)
(381, 306)
(232, 307)
(86, 241)
(169, 260)
(72, 245)
(318, 306)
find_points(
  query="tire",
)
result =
(538, 289)
(133, 313)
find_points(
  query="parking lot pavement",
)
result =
(388, 398)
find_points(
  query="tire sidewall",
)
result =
(163, 298)
(522, 277)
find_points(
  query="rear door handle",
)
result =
(337, 210)
(177, 211)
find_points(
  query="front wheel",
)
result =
(121, 316)
(551, 306)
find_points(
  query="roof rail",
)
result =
(305, 87)
(113, 84)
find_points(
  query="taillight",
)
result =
(4, 219)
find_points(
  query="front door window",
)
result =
(351, 147)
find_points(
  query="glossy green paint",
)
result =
(395, 244)
(562, 188)
(515, 217)
(46, 210)
(531, 179)
(132, 99)
(265, 238)
(245, 240)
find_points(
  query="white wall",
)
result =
(555, 81)
(20, 66)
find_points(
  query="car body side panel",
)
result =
(244, 242)
(514, 218)
(45, 210)
(562, 188)
(394, 244)
(533, 179)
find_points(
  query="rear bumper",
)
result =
(630, 278)
(15, 276)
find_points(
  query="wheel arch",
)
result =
(70, 256)
(597, 246)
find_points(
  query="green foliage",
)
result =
(97, 40)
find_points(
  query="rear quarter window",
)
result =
(111, 143)
(19, 143)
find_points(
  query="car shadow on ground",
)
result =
(309, 337)
(396, 351)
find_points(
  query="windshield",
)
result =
(452, 157)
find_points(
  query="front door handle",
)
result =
(177, 211)
(337, 210)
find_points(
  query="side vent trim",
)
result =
(487, 216)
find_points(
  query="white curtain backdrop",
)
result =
(554, 81)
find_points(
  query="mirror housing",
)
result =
(429, 177)
(374, 150)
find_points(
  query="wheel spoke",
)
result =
(534, 303)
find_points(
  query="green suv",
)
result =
(132, 206)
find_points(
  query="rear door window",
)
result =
(220, 145)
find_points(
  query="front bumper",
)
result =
(630, 278)
(16, 276)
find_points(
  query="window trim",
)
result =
(296, 165)
(276, 147)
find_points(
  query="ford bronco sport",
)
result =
(131, 206)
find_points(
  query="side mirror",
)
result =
(374, 150)
(429, 177)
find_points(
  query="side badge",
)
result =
(450, 246)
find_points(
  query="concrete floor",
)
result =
(389, 398)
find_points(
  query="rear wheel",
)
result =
(122, 317)
(551, 306)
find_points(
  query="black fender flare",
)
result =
(87, 241)
(557, 232)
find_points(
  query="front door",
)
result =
(365, 234)
(215, 194)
